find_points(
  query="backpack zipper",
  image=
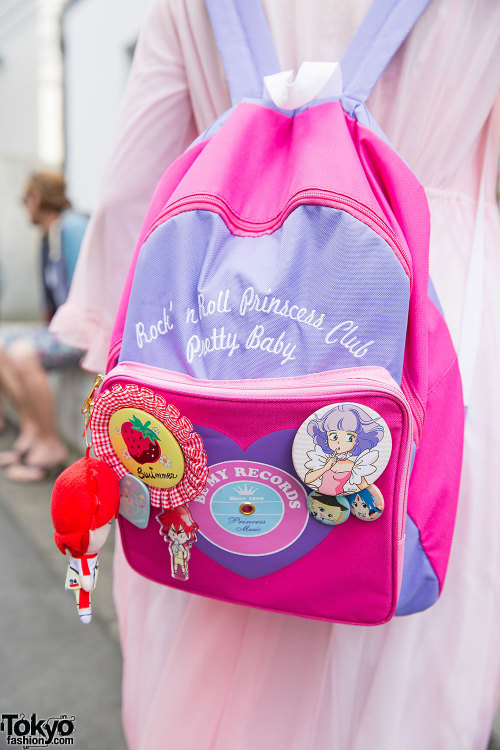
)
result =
(328, 198)
(416, 407)
(415, 403)
(325, 198)
(268, 389)
(231, 388)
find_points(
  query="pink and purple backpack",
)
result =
(283, 404)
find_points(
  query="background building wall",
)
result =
(99, 37)
(63, 71)
(21, 51)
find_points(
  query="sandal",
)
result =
(26, 473)
(7, 458)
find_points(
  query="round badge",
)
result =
(134, 501)
(251, 508)
(367, 504)
(146, 448)
(341, 448)
(330, 509)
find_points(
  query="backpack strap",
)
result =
(247, 50)
(378, 38)
(245, 45)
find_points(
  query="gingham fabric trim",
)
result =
(129, 396)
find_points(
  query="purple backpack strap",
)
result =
(381, 33)
(247, 50)
(245, 45)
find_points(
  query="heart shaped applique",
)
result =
(244, 486)
(253, 514)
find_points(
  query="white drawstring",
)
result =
(314, 80)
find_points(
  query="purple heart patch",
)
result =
(253, 515)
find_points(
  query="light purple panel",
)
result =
(420, 585)
(382, 31)
(245, 45)
(197, 289)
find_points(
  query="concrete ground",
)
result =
(51, 664)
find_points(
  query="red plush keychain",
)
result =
(85, 502)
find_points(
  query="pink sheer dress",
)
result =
(204, 674)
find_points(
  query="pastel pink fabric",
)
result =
(203, 674)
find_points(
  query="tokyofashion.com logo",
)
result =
(30, 731)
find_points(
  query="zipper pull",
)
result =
(86, 409)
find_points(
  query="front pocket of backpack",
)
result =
(271, 445)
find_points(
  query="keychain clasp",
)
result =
(86, 409)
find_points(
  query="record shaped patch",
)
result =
(341, 448)
(251, 508)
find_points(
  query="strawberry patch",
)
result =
(141, 440)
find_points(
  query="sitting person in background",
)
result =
(30, 351)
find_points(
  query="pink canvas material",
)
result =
(360, 563)
(431, 478)
(289, 157)
(391, 179)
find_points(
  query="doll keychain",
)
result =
(85, 502)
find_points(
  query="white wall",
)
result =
(19, 120)
(97, 35)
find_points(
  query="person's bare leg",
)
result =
(47, 449)
(3, 421)
(12, 385)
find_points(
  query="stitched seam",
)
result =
(445, 373)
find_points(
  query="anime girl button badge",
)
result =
(330, 509)
(341, 449)
(367, 504)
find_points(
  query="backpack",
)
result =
(280, 373)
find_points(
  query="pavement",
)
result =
(50, 664)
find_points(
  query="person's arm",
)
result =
(315, 474)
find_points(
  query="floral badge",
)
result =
(136, 431)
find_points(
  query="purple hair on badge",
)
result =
(348, 418)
